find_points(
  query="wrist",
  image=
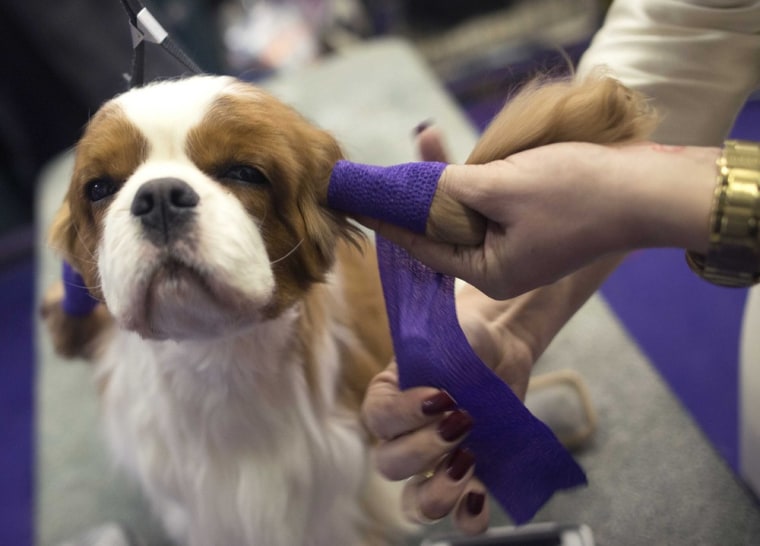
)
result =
(536, 316)
(668, 195)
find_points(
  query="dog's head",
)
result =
(196, 207)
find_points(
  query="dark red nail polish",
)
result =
(474, 503)
(438, 403)
(459, 462)
(455, 425)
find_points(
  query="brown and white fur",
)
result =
(240, 322)
(243, 320)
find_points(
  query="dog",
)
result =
(240, 318)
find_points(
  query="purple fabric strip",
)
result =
(517, 457)
(400, 194)
(77, 300)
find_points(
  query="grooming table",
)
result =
(653, 478)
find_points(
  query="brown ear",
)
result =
(598, 109)
(323, 225)
(75, 243)
(64, 240)
(62, 233)
(72, 336)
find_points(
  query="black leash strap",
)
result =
(145, 28)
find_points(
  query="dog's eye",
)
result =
(245, 174)
(100, 188)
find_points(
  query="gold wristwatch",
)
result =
(733, 253)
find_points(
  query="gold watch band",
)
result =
(733, 254)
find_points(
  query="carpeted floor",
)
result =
(16, 402)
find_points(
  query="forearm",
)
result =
(543, 312)
(527, 323)
(696, 60)
(663, 196)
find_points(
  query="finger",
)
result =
(423, 449)
(431, 146)
(472, 514)
(453, 260)
(483, 188)
(388, 412)
(438, 495)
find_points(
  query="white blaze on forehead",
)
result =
(166, 111)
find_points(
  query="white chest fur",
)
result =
(231, 444)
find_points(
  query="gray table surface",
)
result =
(653, 477)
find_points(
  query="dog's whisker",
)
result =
(83, 286)
(291, 251)
(62, 251)
(81, 240)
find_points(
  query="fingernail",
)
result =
(460, 461)
(474, 503)
(422, 126)
(438, 403)
(454, 426)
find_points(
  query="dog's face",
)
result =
(196, 207)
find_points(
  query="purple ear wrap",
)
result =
(400, 194)
(517, 457)
(77, 300)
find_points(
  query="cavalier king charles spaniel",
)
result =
(240, 319)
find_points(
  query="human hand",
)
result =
(420, 429)
(554, 209)
(508, 336)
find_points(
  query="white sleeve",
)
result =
(698, 60)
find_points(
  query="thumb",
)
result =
(431, 146)
(482, 188)
(388, 412)
(453, 260)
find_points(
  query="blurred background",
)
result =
(62, 58)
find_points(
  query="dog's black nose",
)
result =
(164, 206)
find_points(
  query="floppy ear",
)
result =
(597, 109)
(323, 225)
(61, 233)
(72, 336)
(73, 236)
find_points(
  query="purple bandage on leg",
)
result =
(400, 194)
(77, 300)
(517, 457)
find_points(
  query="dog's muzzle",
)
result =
(164, 207)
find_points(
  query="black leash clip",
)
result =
(144, 27)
